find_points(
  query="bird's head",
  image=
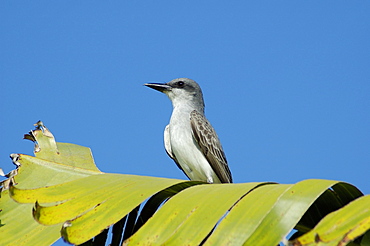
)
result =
(181, 91)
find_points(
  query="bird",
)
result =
(189, 138)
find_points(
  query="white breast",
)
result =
(186, 150)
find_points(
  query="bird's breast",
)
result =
(187, 151)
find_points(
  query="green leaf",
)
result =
(340, 227)
(63, 190)
(33, 173)
(63, 153)
(18, 226)
(196, 207)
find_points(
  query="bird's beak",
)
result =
(159, 86)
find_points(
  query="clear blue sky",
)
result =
(286, 83)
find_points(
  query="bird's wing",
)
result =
(210, 145)
(167, 146)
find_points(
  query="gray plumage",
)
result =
(189, 138)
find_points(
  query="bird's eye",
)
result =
(180, 83)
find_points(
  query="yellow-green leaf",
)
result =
(188, 217)
(340, 227)
(65, 192)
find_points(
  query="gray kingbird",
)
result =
(189, 138)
